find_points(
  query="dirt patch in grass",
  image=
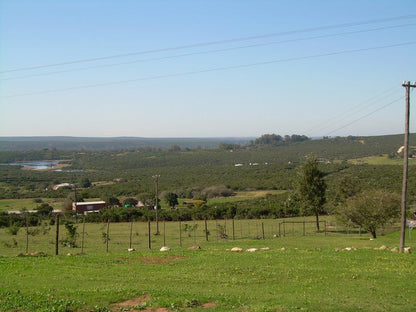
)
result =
(132, 304)
(161, 260)
(209, 305)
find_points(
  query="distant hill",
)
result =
(116, 143)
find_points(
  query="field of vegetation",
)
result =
(337, 272)
(243, 196)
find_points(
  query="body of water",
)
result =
(36, 165)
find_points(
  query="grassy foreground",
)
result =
(296, 273)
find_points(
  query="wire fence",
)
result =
(82, 237)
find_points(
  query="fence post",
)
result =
(27, 232)
(164, 233)
(180, 233)
(57, 235)
(284, 228)
(83, 235)
(194, 233)
(216, 228)
(108, 233)
(262, 230)
(206, 229)
(233, 230)
(131, 232)
(280, 223)
(149, 243)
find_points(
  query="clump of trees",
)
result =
(275, 139)
(371, 210)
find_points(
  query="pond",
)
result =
(36, 164)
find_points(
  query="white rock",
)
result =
(165, 248)
(265, 248)
(131, 249)
(407, 250)
(236, 249)
(252, 250)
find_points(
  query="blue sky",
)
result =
(205, 68)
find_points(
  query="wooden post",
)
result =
(407, 85)
(108, 233)
(164, 233)
(233, 230)
(27, 233)
(216, 228)
(279, 229)
(262, 230)
(149, 235)
(131, 232)
(284, 228)
(206, 229)
(83, 235)
(194, 233)
(180, 233)
(57, 235)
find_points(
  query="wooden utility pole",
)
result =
(57, 235)
(407, 85)
(156, 178)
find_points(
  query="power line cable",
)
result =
(210, 51)
(213, 69)
(343, 116)
(365, 116)
(343, 25)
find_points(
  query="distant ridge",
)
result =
(111, 143)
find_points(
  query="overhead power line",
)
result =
(343, 25)
(213, 69)
(366, 115)
(356, 109)
(210, 51)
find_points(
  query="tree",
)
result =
(112, 201)
(311, 188)
(172, 199)
(130, 202)
(45, 210)
(345, 188)
(371, 209)
(85, 182)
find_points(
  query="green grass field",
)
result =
(296, 273)
(28, 204)
(381, 160)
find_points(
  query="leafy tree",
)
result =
(371, 209)
(311, 188)
(45, 209)
(130, 202)
(112, 201)
(172, 199)
(345, 188)
(71, 229)
(85, 182)
(268, 139)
